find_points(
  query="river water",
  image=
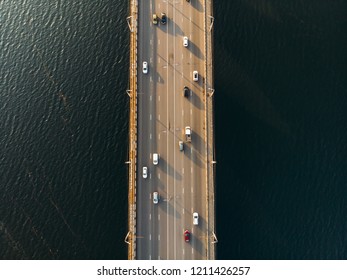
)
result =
(280, 114)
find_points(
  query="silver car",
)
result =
(155, 197)
(181, 145)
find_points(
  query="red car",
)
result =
(186, 235)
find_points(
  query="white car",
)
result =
(144, 172)
(155, 158)
(145, 67)
(195, 76)
(185, 41)
(195, 218)
(155, 197)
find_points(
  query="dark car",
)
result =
(163, 18)
(186, 235)
(186, 92)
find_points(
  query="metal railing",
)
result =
(132, 92)
(210, 148)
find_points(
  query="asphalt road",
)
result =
(163, 112)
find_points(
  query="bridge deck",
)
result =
(184, 180)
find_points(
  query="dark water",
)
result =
(64, 72)
(281, 121)
(281, 99)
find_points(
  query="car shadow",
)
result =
(196, 156)
(196, 5)
(195, 50)
(168, 169)
(196, 99)
(166, 203)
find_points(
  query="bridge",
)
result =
(171, 178)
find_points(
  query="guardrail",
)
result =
(131, 236)
(209, 131)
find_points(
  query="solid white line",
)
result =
(167, 142)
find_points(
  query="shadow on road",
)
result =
(197, 5)
(195, 50)
(196, 100)
(169, 170)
